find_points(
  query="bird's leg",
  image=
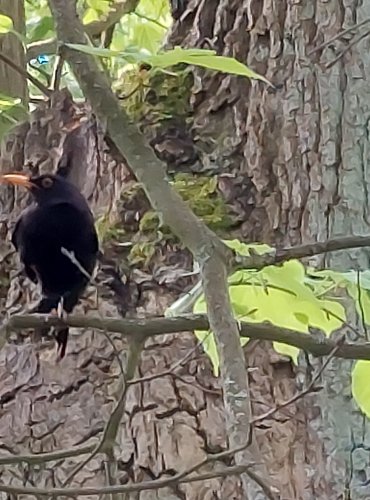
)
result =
(61, 334)
(61, 312)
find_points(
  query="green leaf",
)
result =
(209, 346)
(148, 36)
(101, 52)
(282, 295)
(12, 112)
(199, 57)
(42, 29)
(361, 386)
(100, 6)
(287, 350)
(90, 15)
(206, 59)
(245, 249)
(6, 24)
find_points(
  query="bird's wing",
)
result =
(17, 236)
(67, 214)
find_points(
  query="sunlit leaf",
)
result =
(42, 29)
(282, 296)
(12, 112)
(361, 386)
(199, 57)
(287, 350)
(148, 36)
(206, 59)
(100, 6)
(6, 24)
(245, 249)
(90, 15)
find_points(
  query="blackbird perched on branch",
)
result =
(57, 243)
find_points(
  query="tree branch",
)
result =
(232, 369)
(128, 488)
(279, 256)
(51, 456)
(108, 439)
(39, 85)
(317, 345)
(93, 29)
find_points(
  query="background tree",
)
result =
(277, 165)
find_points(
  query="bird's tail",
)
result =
(61, 336)
(46, 306)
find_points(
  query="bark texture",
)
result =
(292, 167)
(293, 164)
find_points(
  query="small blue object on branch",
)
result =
(42, 59)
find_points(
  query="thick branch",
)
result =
(93, 29)
(317, 345)
(299, 252)
(233, 373)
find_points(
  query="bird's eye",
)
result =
(47, 182)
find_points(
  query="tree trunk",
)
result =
(295, 159)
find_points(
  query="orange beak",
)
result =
(17, 179)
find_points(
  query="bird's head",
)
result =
(44, 188)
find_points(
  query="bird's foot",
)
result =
(62, 313)
(59, 312)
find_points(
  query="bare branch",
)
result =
(232, 366)
(39, 85)
(315, 345)
(107, 441)
(353, 42)
(129, 488)
(310, 388)
(339, 35)
(299, 252)
(40, 458)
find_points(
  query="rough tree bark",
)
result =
(292, 162)
(287, 161)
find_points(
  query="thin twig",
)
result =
(351, 44)
(301, 394)
(339, 35)
(42, 88)
(57, 71)
(128, 488)
(361, 306)
(71, 256)
(41, 458)
(108, 438)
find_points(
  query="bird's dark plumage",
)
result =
(59, 218)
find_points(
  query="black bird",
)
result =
(59, 218)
